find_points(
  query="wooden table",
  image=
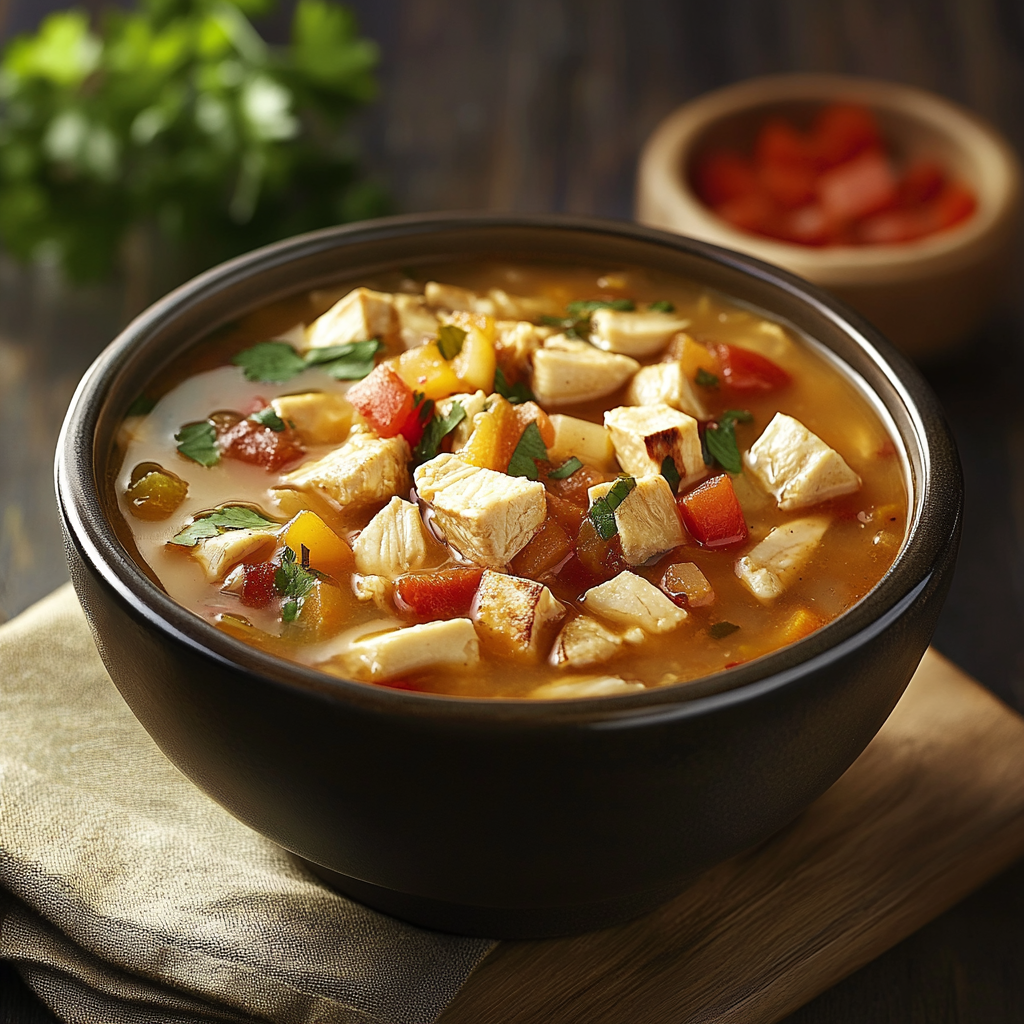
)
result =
(542, 105)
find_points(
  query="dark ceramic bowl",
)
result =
(489, 817)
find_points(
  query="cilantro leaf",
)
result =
(602, 512)
(661, 306)
(529, 450)
(704, 379)
(230, 517)
(720, 438)
(351, 361)
(437, 430)
(272, 362)
(720, 630)
(293, 581)
(450, 339)
(577, 327)
(514, 393)
(198, 442)
(670, 472)
(584, 307)
(142, 406)
(268, 418)
(566, 469)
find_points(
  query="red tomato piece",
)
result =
(445, 594)
(754, 212)
(891, 227)
(858, 187)
(252, 442)
(841, 131)
(789, 185)
(922, 181)
(383, 399)
(956, 203)
(711, 513)
(745, 370)
(258, 584)
(780, 144)
(807, 226)
(416, 422)
(723, 176)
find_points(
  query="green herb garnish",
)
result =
(602, 512)
(584, 307)
(198, 442)
(720, 438)
(566, 469)
(268, 418)
(275, 362)
(529, 451)
(515, 393)
(142, 406)
(661, 306)
(705, 379)
(231, 517)
(670, 473)
(720, 630)
(450, 339)
(437, 430)
(293, 581)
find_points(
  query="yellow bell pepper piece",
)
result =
(494, 438)
(328, 553)
(477, 361)
(425, 370)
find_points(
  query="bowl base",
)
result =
(493, 922)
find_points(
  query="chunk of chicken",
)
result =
(364, 469)
(666, 384)
(450, 296)
(645, 435)
(629, 600)
(496, 302)
(216, 555)
(586, 686)
(796, 467)
(319, 417)
(515, 614)
(486, 516)
(417, 323)
(647, 520)
(585, 641)
(773, 564)
(566, 372)
(373, 588)
(394, 541)
(634, 334)
(413, 649)
(359, 316)
(516, 340)
(589, 442)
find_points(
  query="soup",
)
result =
(512, 482)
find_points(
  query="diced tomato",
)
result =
(531, 412)
(444, 594)
(258, 584)
(416, 422)
(780, 144)
(858, 187)
(746, 370)
(574, 488)
(601, 558)
(548, 546)
(249, 441)
(841, 131)
(922, 181)
(807, 226)
(956, 203)
(790, 185)
(711, 513)
(722, 176)
(891, 227)
(752, 212)
(384, 400)
(567, 514)
(574, 578)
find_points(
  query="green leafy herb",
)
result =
(720, 438)
(142, 406)
(662, 306)
(670, 473)
(450, 339)
(515, 393)
(268, 418)
(529, 451)
(602, 512)
(566, 469)
(352, 361)
(293, 581)
(720, 630)
(584, 307)
(231, 517)
(437, 430)
(272, 362)
(705, 379)
(198, 442)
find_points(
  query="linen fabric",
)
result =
(128, 896)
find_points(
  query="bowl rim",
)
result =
(87, 528)
(660, 180)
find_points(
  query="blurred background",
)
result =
(539, 105)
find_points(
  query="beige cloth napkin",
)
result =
(127, 896)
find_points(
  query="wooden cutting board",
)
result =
(933, 808)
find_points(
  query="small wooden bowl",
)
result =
(925, 295)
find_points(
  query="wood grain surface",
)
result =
(933, 808)
(540, 105)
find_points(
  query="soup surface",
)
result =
(512, 481)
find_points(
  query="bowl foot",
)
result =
(493, 922)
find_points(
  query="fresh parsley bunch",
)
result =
(177, 117)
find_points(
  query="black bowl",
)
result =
(486, 817)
